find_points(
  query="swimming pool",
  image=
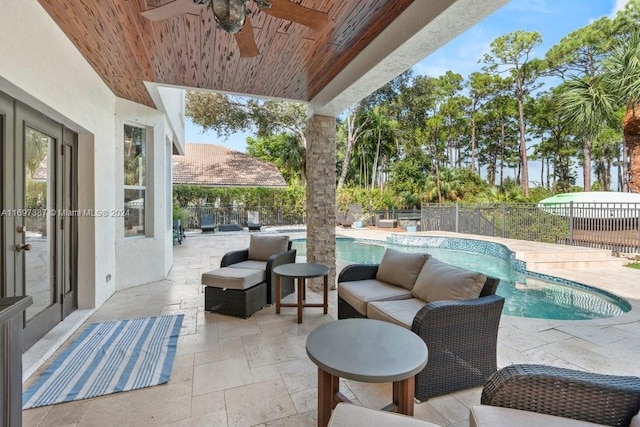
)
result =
(526, 294)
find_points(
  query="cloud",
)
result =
(618, 6)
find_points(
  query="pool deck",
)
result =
(255, 372)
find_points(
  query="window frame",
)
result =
(145, 186)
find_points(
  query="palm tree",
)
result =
(293, 157)
(591, 103)
(587, 105)
(622, 77)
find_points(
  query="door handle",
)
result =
(21, 229)
(23, 247)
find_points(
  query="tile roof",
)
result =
(216, 166)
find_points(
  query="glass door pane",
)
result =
(38, 204)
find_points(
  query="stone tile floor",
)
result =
(255, 372)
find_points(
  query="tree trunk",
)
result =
(502, 156)
(631, 131)
(586, 167)
(524, 172)
(374, 169)
(347, 160)
(473, 138)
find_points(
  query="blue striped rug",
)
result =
(107, 358)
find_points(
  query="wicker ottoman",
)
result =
(234, 291)
(387, 223)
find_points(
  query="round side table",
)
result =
(369, 351)
(302, 271)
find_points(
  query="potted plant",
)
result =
(410, 225)
(359, 218)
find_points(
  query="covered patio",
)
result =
(255, 372)
(325, 54)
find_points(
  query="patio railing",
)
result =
(598, 225)
(268, 215)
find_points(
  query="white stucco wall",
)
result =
(143, 259)
(40, 67)
(171, 100)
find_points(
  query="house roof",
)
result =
(363, 45)
(216, 166)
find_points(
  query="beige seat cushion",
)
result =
(400, 268)
(493, 416)
(349, 415)
(360, 292)
(233, 278)
(261, 247)
(251, 264)
(438, 281)
(399, 312)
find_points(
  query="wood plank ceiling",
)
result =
(295, 62)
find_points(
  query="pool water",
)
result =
(525, 295)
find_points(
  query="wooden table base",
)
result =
(329, 396)
(302, 296)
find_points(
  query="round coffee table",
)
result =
(369, 351)
(302, 271)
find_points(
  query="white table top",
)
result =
(367, 350)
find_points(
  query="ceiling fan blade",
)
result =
(174, 8)
(246, 41)
(291, 11)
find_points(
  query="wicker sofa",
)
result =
(538, 395)
(455, 311)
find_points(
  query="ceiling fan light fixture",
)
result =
(229, 14)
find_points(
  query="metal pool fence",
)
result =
(267, 215)
(611, 226)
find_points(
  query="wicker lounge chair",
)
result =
(461, 335)
(253, 221)
(234, 258)
(243, 283)
(207, 223)
(601, 399)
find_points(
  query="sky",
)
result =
(553, 19)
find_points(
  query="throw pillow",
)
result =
(439, 281)
(400, 268)
(261, 247)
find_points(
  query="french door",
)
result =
(39, 230)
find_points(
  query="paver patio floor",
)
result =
(255, 372)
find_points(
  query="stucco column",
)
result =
(321, 195)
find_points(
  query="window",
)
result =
(135, 182)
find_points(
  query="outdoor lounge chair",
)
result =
(178, 231)
(341, 219)
(246, 259)
(206, 223)
(524, 392)
(253, 221)
(245, 282)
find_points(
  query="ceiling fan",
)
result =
(232, 16)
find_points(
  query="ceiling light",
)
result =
(230, 14)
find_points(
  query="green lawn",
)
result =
(635, 265)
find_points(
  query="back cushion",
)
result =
(442, 282)
(400, 268)
(261, 247)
